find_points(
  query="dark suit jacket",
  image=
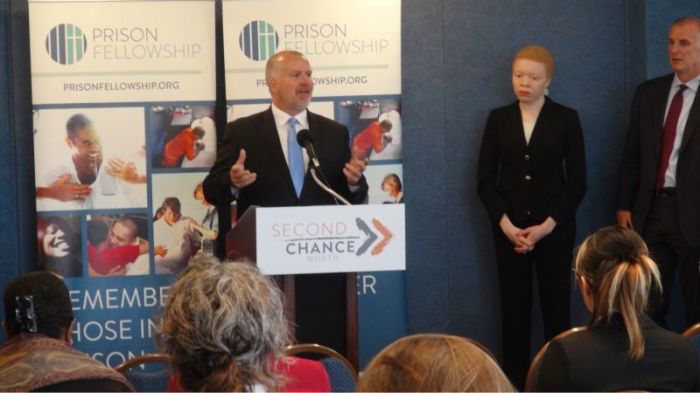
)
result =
(593, 360)
(641, 155)
(546, 177)
(320, 298)
(257, 134)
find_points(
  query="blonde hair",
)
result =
(223, 326)
(538, 54)
(432, 363)
(615, 263)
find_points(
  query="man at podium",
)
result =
(258, 163)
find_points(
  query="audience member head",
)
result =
(533, 67)
(38, 302)
(223, 326)
(615, 276)
(433, 363)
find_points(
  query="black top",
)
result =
(595, 360)
(546, 177)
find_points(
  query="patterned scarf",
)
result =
(33, 361)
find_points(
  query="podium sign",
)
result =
(330, 239)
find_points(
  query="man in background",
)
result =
(659, 190)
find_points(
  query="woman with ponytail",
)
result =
(622, 349)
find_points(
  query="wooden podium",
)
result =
(284, 241)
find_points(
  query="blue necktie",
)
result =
(296, 158)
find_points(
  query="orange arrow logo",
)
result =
(387, 236)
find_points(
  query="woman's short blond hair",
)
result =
(433, 363)
(538, 54)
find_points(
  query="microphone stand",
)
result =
(326, 188)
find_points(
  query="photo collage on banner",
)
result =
(355, 53)
(124, 133)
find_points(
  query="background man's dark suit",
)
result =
(529, 183)
(257, 134)
(638, 176)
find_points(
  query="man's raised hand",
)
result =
(238, 175)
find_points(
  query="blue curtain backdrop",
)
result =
(456, 67)
(17, 203)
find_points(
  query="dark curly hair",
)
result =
(52, 307)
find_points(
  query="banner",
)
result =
(330, 239)
(355, 53)
(354, 48)
(123, 96)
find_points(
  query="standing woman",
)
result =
(532, 176)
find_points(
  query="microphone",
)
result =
(305, 140)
